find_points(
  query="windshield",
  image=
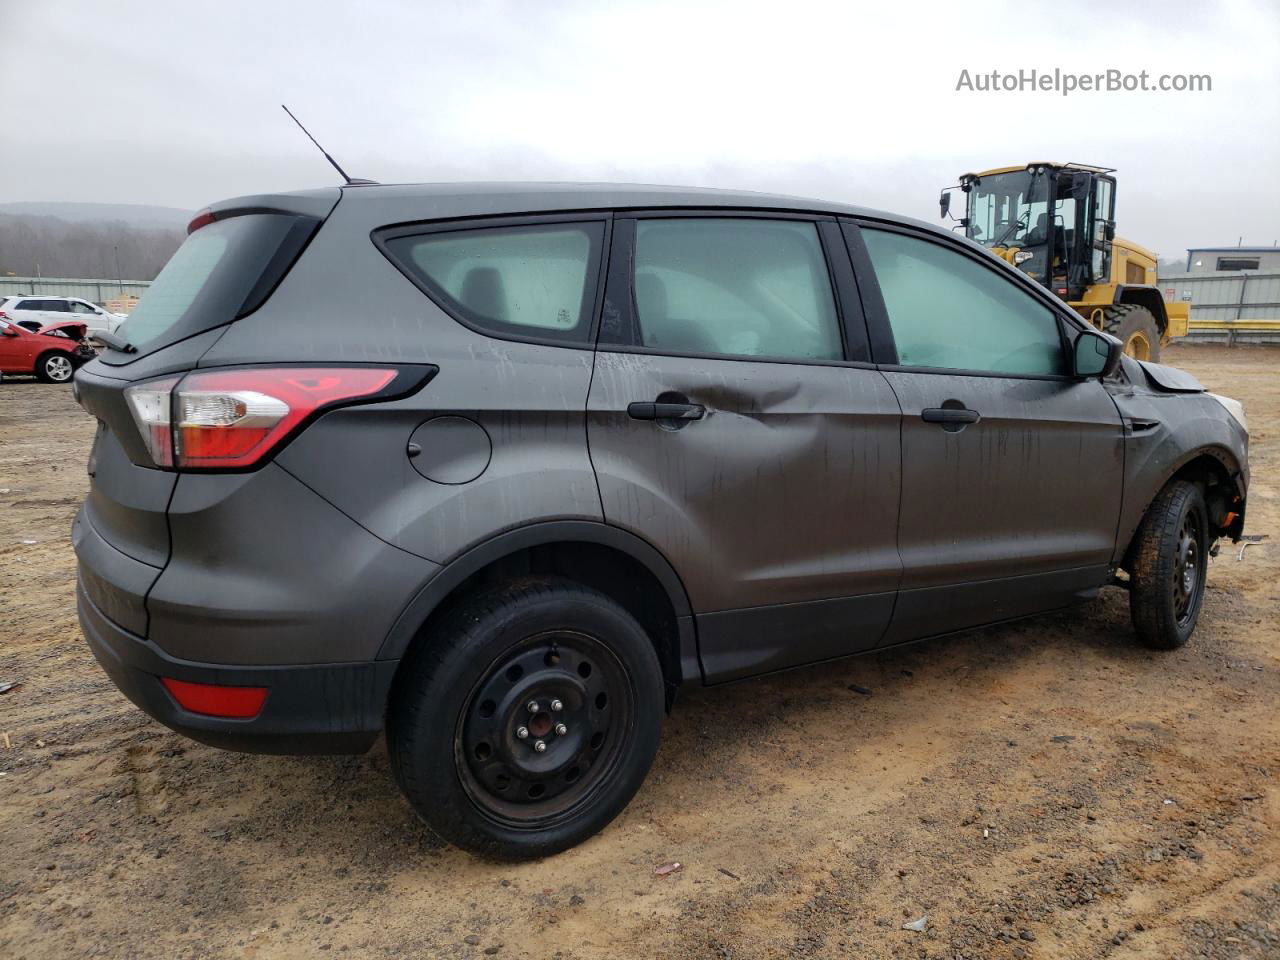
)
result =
(1009, 210)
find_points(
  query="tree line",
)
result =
(33, 246)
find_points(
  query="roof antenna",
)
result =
(350, 180)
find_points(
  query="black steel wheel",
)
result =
(1169, 562)
(528, 718)
(1188, 572)
(543, 728)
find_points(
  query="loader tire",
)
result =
(1136, 328)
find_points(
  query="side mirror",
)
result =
(944, 204)
(1096, 354)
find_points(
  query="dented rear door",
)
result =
(770, 483)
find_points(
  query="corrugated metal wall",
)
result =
(99, 291)
(1233, 299)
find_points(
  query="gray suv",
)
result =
(499, 469)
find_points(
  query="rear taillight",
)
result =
(150, 405)
(231, 419)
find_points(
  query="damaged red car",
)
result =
(52, 352)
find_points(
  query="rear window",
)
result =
(535, 282)
(221, 272)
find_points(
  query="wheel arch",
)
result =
(1214, 467)
(1148, 297)
(1219, 473)
(618, 563)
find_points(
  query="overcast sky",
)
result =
(178, 103)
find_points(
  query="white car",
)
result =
(34, 312)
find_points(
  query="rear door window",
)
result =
(533, 281)
(734, 287)
(221, 272)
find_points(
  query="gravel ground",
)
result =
(1044, 789)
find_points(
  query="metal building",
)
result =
(1202, 260)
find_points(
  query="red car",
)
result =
(51, 352)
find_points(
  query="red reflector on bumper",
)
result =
(213, 700)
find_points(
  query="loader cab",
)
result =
(1054, 222)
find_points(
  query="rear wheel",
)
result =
(528, 720)
(1136, 328)
(54, 367)
(1168, 567)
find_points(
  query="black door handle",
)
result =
(953, 416)
(665, 411)
(948, 415)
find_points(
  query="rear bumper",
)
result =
(310, 708)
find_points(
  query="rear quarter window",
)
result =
(533, 281)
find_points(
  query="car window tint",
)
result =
(734, 286)
(529, 281)
(175, 289)
(57, 306)
(950, 312)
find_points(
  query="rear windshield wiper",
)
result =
(115, 343)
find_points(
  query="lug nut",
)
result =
(533, 706)
(539, 746)
(522, 733)
(561, 729)
(556, 706)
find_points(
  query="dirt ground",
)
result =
(1046, 789)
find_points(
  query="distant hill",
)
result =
(134, 214)
(101, 241)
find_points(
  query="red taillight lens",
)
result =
(215, 700)
(228, 419)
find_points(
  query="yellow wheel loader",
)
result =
(1056, 223)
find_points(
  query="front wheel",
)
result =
(527, 721)
(55, 367)
(1169, 562)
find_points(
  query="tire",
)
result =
(462, 738)
(1136, 328)
(55, 367)
(1169, 561)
